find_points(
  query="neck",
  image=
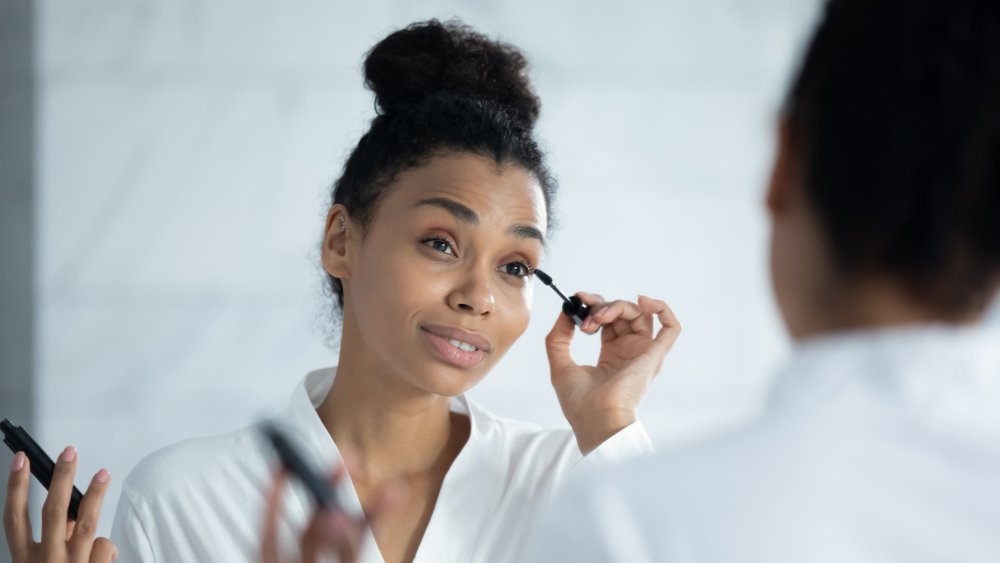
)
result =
(874, 304)
(387, 428)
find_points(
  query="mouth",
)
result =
(455, 346)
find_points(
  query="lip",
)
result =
(437, 340)
(456, 333)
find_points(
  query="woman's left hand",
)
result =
(600, 400)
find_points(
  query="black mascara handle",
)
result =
(294, 463)
(576, 309)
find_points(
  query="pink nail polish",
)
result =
(69, 454)
(18, 462)
(102, 476)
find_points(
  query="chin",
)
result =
(448, 381)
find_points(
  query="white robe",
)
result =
(879, 446)
(203, 499)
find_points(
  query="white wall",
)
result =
(186, 152)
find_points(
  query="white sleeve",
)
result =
(630, 442)
(128, 533)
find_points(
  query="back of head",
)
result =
(895, 115)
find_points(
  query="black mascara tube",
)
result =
(294, 463)
(42, 466)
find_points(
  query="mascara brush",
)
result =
(573, 306)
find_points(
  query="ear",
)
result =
(786, 174)
(339, 233)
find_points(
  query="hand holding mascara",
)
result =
(602, 399)
(42, 466)
(62, 538)
(331, 529)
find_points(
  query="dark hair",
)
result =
(895, 115)
(440, 87)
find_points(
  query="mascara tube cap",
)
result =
(576, 309)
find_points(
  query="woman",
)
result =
(880, 441)
(436, 227)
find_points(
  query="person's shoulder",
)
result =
(764, 456)
(198, 463)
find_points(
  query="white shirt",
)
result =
(874, 446)
(203, 499)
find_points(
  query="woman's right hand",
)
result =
(63, 540)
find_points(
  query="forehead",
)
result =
(504, 194)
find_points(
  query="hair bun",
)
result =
(432, 57)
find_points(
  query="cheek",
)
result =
(394, 285)
(516, 314)
(384, 289)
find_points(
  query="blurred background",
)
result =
(167, 165)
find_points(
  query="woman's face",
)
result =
(438, 287)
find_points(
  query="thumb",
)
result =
(557, 344)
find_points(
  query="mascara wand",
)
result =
(573, 306)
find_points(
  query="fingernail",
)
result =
(69, 454)
(601, 311)
(18, 462)
(102, 476)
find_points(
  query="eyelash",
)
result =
(528, 270)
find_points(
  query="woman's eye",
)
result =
(517, 269)
(440, 245)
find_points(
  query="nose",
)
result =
(474, 294)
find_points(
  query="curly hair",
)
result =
(440, 87)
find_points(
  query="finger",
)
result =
(670, 327)
(85, 528)
(623, 315)
(644, 323)
(340, 471)
(333, 532)
(594, 302)
(56, 506)
(310, 541)
(103, 551)
(591, 299)
(608, 333)
(350, 548)
(16, 523)
(558, 343)
(622, 327)
(272, 509)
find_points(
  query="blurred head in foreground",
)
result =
(885, 193)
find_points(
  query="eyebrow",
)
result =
(527, 231)
(461, 212)
(466, 215)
